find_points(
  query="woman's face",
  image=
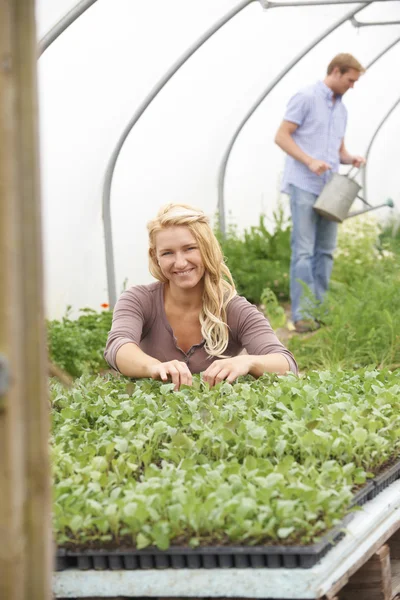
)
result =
(179, 258)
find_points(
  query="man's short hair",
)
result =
(345, 62)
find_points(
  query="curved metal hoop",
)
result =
(381, 124)
(63, 24)
(357, 24)
(110, 264)
(378, 56)
(108, 240)
(84, 5)
(364, 170)
(271, 86)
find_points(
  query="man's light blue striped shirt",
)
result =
(321, 127)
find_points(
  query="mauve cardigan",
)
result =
(139, 317)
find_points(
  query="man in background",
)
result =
(312, 135)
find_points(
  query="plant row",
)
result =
(259, 461)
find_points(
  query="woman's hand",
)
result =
(175, 370)
(227, 369)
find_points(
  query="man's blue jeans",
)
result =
(313, 243)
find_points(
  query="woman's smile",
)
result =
(186, 272)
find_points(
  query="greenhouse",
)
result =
(157, 158)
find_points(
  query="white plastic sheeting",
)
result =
(94, 76)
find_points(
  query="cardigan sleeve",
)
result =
(131, 313)
(253, 331)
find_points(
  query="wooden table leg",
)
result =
(394, 545)
(373, 581)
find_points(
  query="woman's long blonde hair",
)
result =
(219, 287)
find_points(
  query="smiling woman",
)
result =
(191, 320)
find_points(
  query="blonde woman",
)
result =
(191, 320)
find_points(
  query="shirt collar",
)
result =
(326, 91)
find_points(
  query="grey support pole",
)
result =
(274, 82)
(74, 14)
(268, 4)
(357, 24)
(385, 118)
(373, 61)
(364, 171)
(112, 294)
(63, 24)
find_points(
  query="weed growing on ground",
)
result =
(361, 312)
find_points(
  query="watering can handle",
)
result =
(352, 168)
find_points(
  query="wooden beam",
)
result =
(38, 506)
(12, 466)
(358, 564)
(372, 581)
(25, 505)
(394, 544)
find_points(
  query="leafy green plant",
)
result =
(272, 310)
(389, 236)
(361, 312)
(259, 258)
(361, 326)
(77, 345)
(260, 461)
(361, 250)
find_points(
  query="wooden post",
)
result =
(394, 544)
(12, 464)
(25, 506)
(372, 581)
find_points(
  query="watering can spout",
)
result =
(338, 195)
(389, 202)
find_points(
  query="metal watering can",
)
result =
(338, 195)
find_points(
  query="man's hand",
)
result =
(358, 161)
(175, 370)
(227, 369)
(318, 166)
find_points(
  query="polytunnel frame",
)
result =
(267, 91)
(63, 24)
(82, 6)
(377, 130)
(364, 170)
(109, 247)
(358, 24)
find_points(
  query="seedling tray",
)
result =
(183, 557)
(376, 485)
(224, 557)
(384, 479)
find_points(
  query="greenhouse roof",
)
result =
(146, 103)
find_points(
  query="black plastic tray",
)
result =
(363, 495)
(183, 557)
(224, 557)
(387, 477)
(376, 485)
